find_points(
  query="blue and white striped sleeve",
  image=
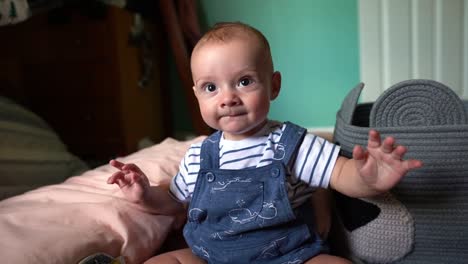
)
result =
(178, 187)
(315, 161)
(183, 182)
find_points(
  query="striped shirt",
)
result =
(312, 168)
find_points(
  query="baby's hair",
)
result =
(226, 31)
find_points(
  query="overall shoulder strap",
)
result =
(209, 153)
(290, 142)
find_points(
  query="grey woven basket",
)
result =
(432, 121)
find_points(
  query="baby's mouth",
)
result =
(233, 113)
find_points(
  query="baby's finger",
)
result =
(374, 139)
(387, 145)
(116, 176)
(117, 164)
(398, 152)
(132, 167)
(111, 180)
(359, 156)
(413, 164)
(135, 177)
(358, 153)
(140, 177)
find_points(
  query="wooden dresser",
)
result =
(81, 75)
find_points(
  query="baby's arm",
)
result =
(373, 171)
(136, 188)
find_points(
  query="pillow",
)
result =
(31, 153)
(66, 222)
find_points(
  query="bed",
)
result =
(57, 210)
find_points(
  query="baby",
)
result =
(246, 185)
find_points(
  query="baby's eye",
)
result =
(245, 82)
(210, 88)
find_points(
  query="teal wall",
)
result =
(314, 45)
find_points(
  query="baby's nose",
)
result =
(229, 98)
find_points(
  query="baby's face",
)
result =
(233, 85)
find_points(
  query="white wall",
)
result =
(412, 39)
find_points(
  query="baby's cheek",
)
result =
(210, 119)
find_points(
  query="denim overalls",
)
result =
(244, 216)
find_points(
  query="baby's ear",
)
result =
(194, 90)
(275, 85)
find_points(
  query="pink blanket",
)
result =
(66, 222)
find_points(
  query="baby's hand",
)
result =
(381, 166)
(131, 180)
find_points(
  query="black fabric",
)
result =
(355, 213)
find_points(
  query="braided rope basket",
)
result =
(426, 216)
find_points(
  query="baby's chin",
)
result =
(241, 132)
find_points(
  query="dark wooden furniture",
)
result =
(81, 75)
